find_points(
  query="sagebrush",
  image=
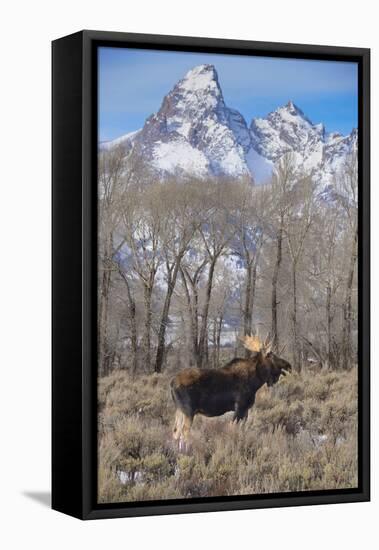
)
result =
(301, 435)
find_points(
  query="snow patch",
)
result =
(203, 77)
(130, 137)
(260, 167)
(179, 156)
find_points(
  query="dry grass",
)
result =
(301, 435)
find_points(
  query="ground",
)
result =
(301, 435)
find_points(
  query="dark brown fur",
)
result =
(213, 392)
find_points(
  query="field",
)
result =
(301, 435)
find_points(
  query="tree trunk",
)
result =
(214, 339)
(247, 306)
(133, 322)
(104, 352)
(164, 317)
(206, 350)
(252, 299)
(133, 326)
(251, 281)
(274, 293)
(218, 340)
(347, 352)
(203, 340)
(195, 325)
(103, 322)
(192, 303)
(296, 361)
(147, 332)
(133, 337)
(329, 324)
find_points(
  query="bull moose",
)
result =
(213, 392)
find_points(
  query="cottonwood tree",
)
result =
(192, 271)
(347, 184)
(112, 184)
(247, 243)
(222, 297)
(324, 275)
(131, 318)
(206, 257)
(217, 231)
(281, 186)
(141, 253)
(296, 229)
(179, 223)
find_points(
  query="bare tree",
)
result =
(221, 295)
(296, 230)
(178, 228)
(192, 271)
(348, 187)
(132, 309)
(281, 186)
(247, 244)
(182, 263)
(324, 275)
(217, 231)
(140, 251)
(111, 169)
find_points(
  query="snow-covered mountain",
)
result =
(196, 133)
(285, 130)
(288, 130)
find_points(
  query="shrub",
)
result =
(301, 435)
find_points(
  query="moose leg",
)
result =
(240, 413)
(186, 427)
(239, 417)
(179, 420)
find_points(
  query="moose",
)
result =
(213, 392)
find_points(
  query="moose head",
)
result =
(269, 365)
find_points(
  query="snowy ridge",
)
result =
(196, 133)
(288, 130)
(126, 139)
(285, 130)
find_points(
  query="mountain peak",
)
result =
(201, 78)
(202, 69)
(291, 108)
(195, 132)
(205, 69)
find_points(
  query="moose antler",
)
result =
(255, 344)
(267, 345)
(252, 343)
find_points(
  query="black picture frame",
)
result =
(74, 333)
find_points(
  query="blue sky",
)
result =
(132, 84)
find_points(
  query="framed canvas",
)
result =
(210, 275)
